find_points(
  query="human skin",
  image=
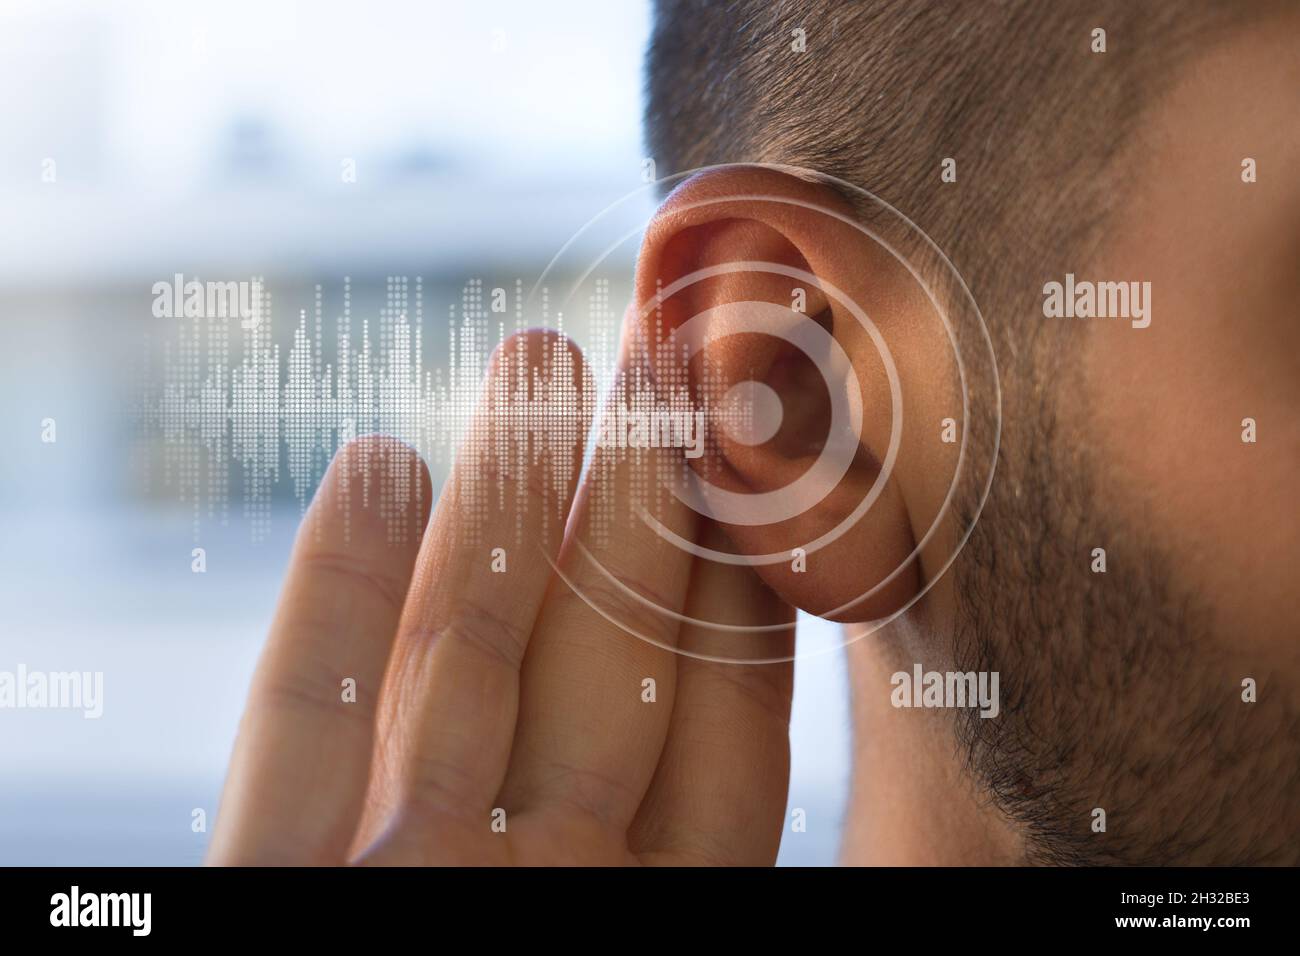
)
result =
(480, 692)
(1162, 410)
(476, 694)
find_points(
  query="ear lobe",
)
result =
(749, 248)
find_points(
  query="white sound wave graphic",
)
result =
(231, 409)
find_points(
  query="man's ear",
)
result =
(820, 360)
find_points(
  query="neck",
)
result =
(911, 803)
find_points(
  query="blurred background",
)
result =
(145, 138)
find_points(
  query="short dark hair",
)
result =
(884, 91)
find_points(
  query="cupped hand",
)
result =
(501, 717)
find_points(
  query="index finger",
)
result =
(589, 734)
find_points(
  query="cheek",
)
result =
(1166, 430)
(1163, 406)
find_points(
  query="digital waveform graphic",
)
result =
(235, 415)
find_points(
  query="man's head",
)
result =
(1115, 157)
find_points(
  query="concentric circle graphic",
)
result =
(979, 415)
(765, 407)
(846, 418)
(771, 507)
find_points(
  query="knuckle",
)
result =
(356, 573)
(312, 689)
(474, 626)
(768, 698)
(436, 789)
(633, 606)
